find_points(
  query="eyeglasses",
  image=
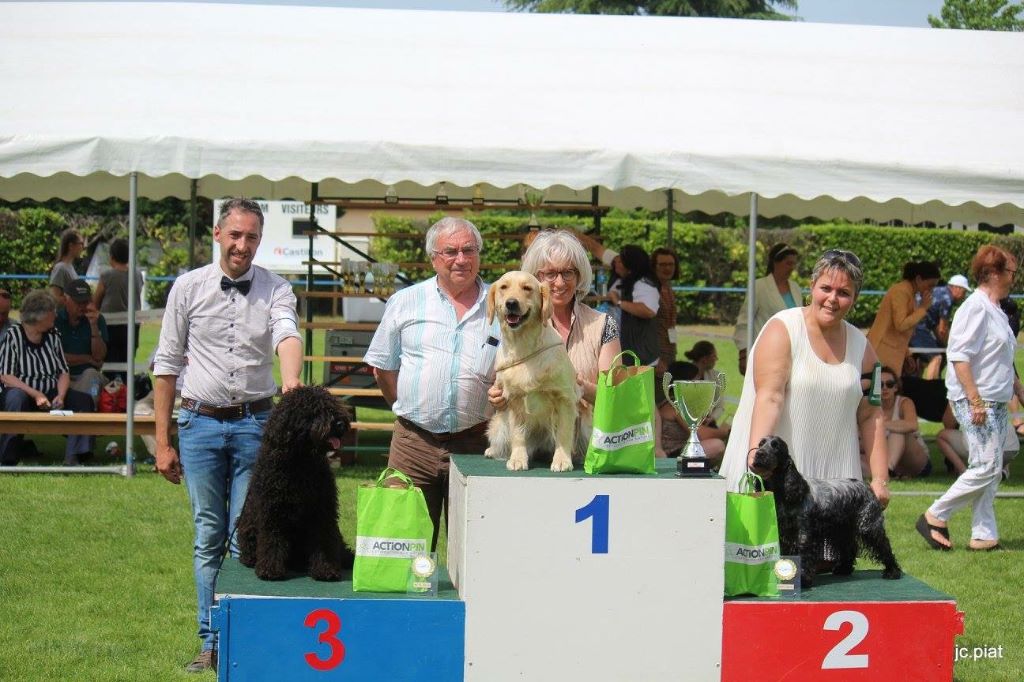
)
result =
(451, 253)
(551, 275)
(848, 256)
(889, 384)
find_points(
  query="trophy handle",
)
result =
(666, 386)
(719, 390)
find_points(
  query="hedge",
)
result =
(712, 256)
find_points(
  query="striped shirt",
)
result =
(230, 338)
(37, 364)
(445, 365)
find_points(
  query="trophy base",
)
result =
(693, 467)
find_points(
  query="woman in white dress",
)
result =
(804, 385)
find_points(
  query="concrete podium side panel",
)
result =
(550, 597)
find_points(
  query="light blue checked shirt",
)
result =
(445, 366)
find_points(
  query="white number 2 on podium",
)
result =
(596, 509)
(839, 657)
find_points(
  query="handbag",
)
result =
(113, 397)
(392, 526)
(751, 540)
(623, 438)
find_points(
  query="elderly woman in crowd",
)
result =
(804, 384)
(980, 349)
(35, 374)
(903, 306)
(772, 293)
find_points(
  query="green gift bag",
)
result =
(751, 540)
(623, 438)
(392, 526)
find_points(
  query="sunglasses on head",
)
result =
(848, 256)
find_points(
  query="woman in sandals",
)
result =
(982, 381)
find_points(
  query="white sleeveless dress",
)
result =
(819, 415)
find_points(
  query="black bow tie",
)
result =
(242, 285)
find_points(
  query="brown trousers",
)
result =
(424, 457)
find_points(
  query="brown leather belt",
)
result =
(444, 437)
(225, 412)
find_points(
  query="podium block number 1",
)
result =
(596, 509)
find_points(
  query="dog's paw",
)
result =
(493, 453)
(561, 464)
(894, 573)
(326, 574)
(264, 573)
(517, 464)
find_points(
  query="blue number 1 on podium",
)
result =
(596, 509)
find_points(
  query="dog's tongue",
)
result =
(513, 319)
(335, 443)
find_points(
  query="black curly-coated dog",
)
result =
(289, 521)
(845, 512)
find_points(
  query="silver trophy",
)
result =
(694, 401)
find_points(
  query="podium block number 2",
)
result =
(596, 509)
(839, 657)
(328, 637)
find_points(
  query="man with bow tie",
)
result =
(230, 316)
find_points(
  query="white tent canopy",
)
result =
(818, 120)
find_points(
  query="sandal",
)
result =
(925, 529)
(985, 548)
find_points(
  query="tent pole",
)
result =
(192, 217)
(129, 437)
(594, 196)
(669, 210)
(751, 273)
(308, 365)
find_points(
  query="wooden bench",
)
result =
(80, 423)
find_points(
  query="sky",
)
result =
(875, 12)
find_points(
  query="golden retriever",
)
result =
(537, 378)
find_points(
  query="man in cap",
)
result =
(83, 334)
(933, 330)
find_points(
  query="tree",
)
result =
(733, 9)
(988, 15)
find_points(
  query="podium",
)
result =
(857, 627)
(574, 576)
(299, 629)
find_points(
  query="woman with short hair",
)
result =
(804, 385)
(980, 350)
(35, 374)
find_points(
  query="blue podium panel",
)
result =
(324, 631)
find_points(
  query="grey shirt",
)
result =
(115, 295)
(62, 274)
(230, 338)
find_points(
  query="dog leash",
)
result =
(524, 359)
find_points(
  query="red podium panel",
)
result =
(859, 627)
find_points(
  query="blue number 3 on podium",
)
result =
(596, 509)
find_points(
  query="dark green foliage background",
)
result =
(712, 256)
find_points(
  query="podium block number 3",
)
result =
(839, 657)
(596, 509)
(328, 637)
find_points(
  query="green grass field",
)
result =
(96, 578)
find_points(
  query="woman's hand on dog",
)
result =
(496, 396)
(881, 491)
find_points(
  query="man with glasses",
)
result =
(5, 312)
(433, 358)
